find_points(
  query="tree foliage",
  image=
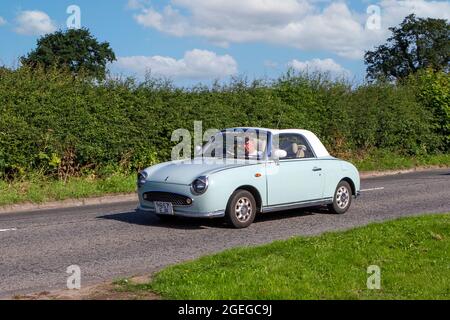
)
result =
(75, 49)
(414, 45)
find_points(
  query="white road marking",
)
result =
(11, 229)
(372, 189)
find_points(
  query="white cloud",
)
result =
(303, 24)
(137, 4)
(321, 65)
(2, 21)
(270, 64)
(393, 11)
(34, 23)
(133, 4)
(196, 64)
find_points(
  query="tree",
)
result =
(4, 70)
(75, 49)
(415, 45)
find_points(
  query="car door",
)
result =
(296, 178)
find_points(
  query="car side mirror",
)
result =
(278, 154)
(198, 150)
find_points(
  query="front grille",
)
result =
(175, 199)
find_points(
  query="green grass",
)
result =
(412, 253)
(382, 160)
(39, 189)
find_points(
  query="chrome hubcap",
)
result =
(342, 197)
(243, 209)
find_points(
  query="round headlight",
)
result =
(142, 178)
(199, 185)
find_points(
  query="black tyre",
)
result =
(241, 209)
(342, 198)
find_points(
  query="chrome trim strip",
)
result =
(297, 205)
(167, 183)
(174, 205)
(213, 214)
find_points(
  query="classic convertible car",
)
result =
(243, 172)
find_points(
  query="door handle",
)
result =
(317, 169)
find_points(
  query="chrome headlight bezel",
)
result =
(141, 178)
(202, 180)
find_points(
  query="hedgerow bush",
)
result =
(433, 92)
(57, 124)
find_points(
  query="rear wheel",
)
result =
(241, 209)
(342, 198)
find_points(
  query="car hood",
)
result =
(182, 172)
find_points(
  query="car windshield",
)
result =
(237, 144)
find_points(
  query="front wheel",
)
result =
(342, 198)
(241, 209)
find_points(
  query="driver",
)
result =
(250, 147)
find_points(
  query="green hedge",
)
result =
(56, 124)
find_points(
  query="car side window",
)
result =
(295, 146)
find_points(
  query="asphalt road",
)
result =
(111, 241)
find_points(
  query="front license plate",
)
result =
(163, 207)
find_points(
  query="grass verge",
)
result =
(40, 189)
(412, 253)
(381, 160)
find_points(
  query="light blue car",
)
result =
(243, 172)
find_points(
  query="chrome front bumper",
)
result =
(214, 214)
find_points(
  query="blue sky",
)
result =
(201, 40)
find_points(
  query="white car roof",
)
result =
(316, 144)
